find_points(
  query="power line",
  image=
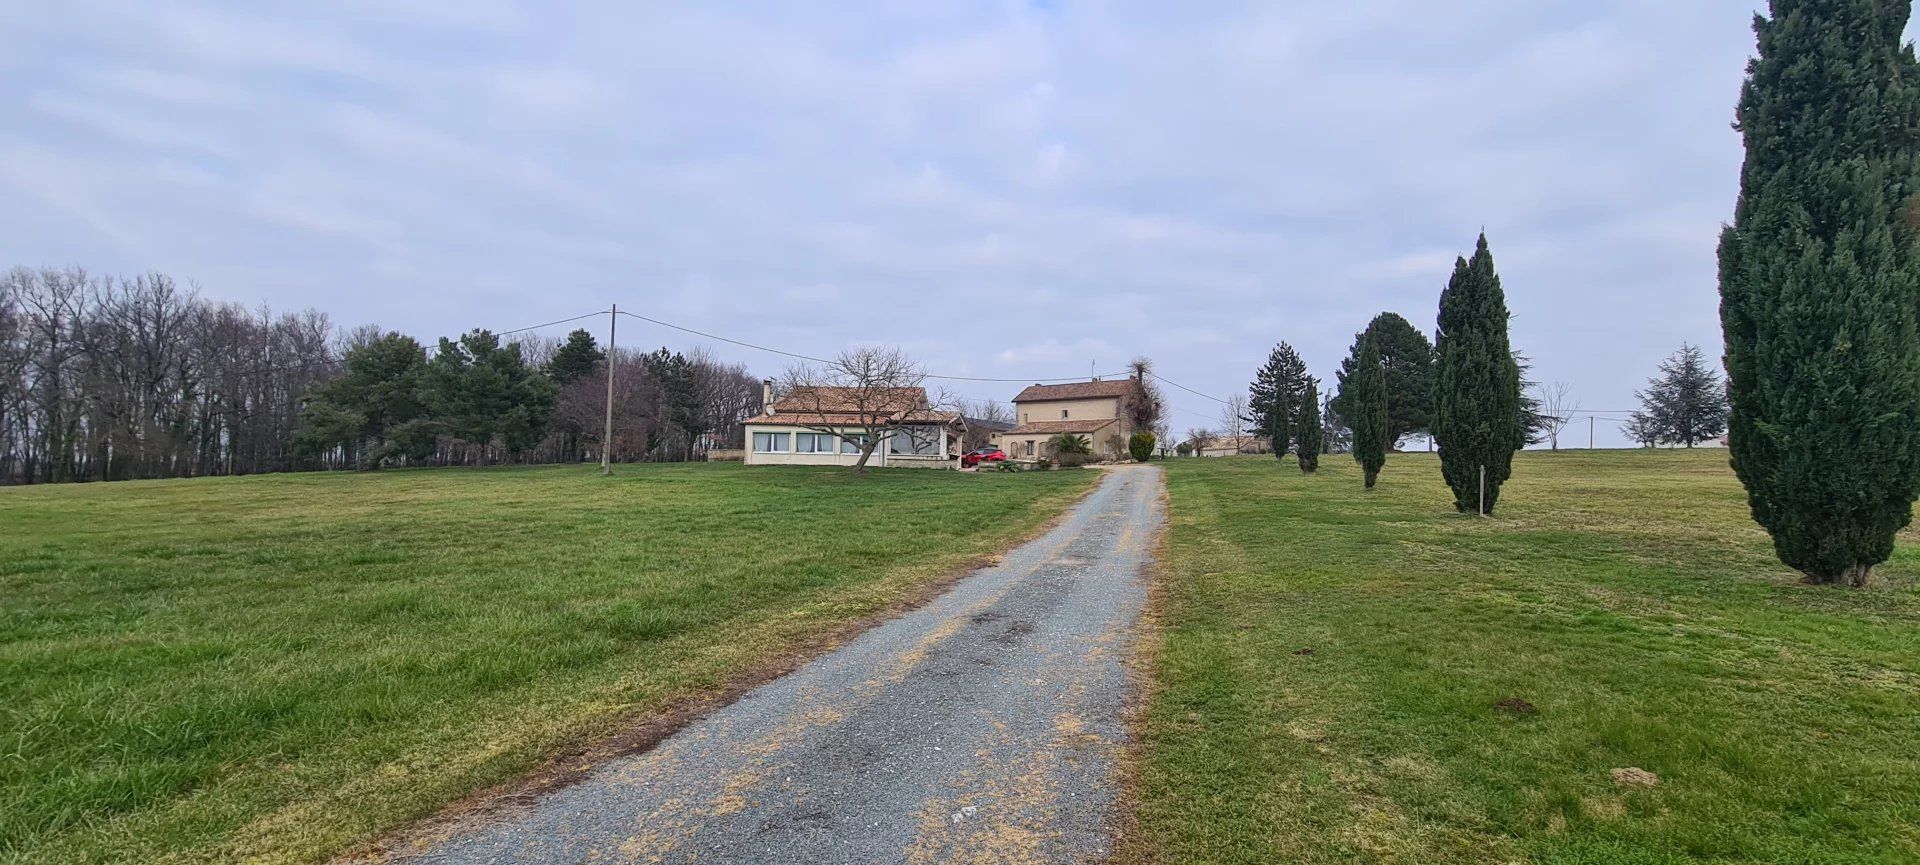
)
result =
(550, 323)
(1166, 380)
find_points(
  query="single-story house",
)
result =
(829, 425)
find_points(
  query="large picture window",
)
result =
(771, 443)
(919, 441)
(813, 443)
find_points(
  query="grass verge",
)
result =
(1346, 676)
(275, 668)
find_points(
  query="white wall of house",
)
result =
(782, 445)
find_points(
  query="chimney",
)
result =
(766, 396)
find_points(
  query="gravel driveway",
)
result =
(982, 727)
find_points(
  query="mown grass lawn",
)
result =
(274, 668)
(1626, 596)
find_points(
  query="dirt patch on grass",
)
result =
(643, 731)
(1516, 707)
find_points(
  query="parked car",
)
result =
(989, 454)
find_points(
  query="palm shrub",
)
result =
(1068, 443)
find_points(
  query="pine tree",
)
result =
(1409, 368)
(1309, 424)
(362, 411)
(1275, 396)
(1533, 423)
(576, 358)
(1684, 405)
(1477, 406)
(1818, 285)
(482, 392)
(1367, 410)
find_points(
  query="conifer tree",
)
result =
(1819, 287)
(1684, 405)
(1477, 406)
(1309, 423)
(1275, 396)
(1366, 392)
(1409, 368)
(576, 357)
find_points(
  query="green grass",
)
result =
(274, 668)
(1626, 595)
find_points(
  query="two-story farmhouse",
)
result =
(830, 426)
(1094, 409)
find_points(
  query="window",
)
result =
(921, 441)
(1029, 447)
(1023, 417)
(771, 443)
(853, 444)
(1063, 414)
(813, 443)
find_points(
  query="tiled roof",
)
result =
(849, 399)
(816, 418)
(1077, 390)
(1055, 427)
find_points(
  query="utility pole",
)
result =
(1589, 432)
(606, 438)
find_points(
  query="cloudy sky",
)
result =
(1008, 189)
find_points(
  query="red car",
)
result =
(988, 454)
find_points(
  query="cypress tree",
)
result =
(1275, 396)
(1309, 439)
(1366, 400)
(1477, 408)
(1818, 285)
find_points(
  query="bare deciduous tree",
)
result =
(982, 417)
(1233, 417)
(1557, 405)
(860, 397)
(1200, 438)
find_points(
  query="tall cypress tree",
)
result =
(1818, 285)
(1275, 396)
(1309, 423)
(1366, 400)
(1477, 397)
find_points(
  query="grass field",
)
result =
(273, 668)
(1331, 663)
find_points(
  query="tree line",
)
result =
(106, 378)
